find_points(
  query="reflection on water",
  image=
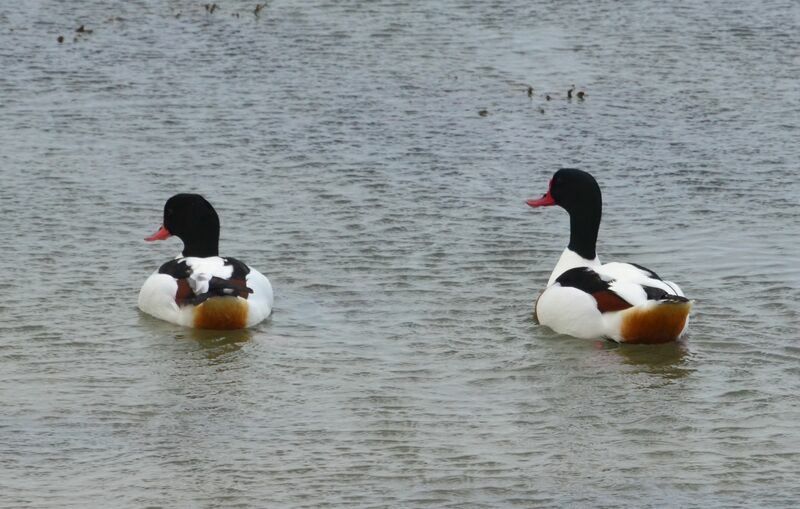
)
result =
(669, 360)
(213, 343)
(217, 343)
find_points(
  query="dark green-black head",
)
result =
(577, 192)
(191, 218)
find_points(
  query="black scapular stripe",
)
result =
(584, 279)
(240, 270)
(653, 275)
(654, 293)
(589, 281)
(176, 268)
(218, 287)
(649, 272)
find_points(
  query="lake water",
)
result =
(341, 144)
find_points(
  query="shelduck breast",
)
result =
(200, 288)
(624, 302)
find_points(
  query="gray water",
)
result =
(342, 146)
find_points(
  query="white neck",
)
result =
(569, 260)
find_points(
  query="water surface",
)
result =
(342, 146)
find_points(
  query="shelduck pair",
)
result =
(620, 301)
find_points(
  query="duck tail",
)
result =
(221, 313)
(662, 321)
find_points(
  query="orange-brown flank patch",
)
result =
(610, 301)
(221, 313)
(659, 324)
(184, 292)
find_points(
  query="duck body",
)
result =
(207, 293)
(200, 288)
(623, 302)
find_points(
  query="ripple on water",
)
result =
(341, 145)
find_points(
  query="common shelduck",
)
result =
(200, 288)
(624, 302)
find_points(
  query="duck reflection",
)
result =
(668, 360)
(216, 343)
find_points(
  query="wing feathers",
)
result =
(607, 301)
(614, 294)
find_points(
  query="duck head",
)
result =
(193, 220)
(578, 193)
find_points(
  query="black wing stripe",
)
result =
(654, 293)
(655, 276)
(584, 279)
(589, 281)
(240, 270)
(650, 272)
(176, 268)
